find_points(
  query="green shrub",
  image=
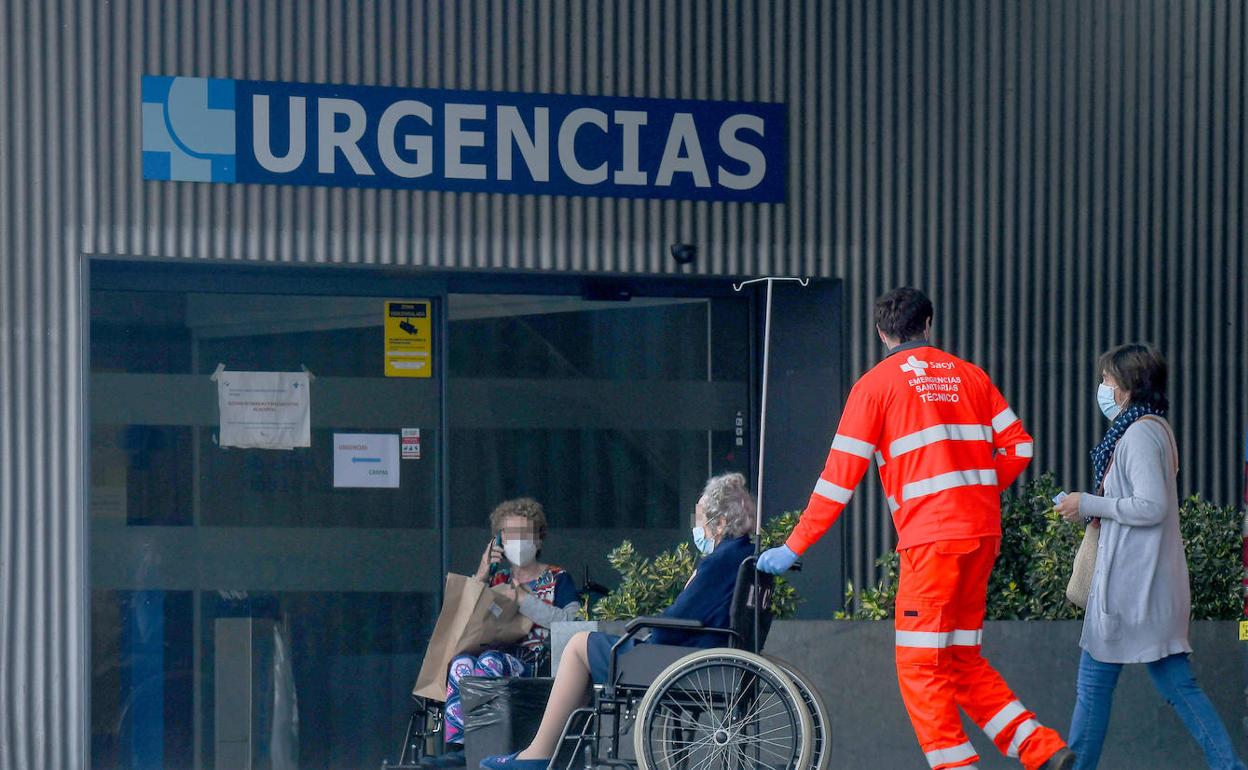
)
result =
(1037, 554)
(876, 602)
(1038, 550)
(649, 586)
(1213, 537)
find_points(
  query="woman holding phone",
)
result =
(545, 594)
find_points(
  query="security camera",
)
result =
(684, 253)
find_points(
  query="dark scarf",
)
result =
(1104, 451)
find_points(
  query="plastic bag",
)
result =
(501, 715)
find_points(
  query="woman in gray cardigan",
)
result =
(1139, 603)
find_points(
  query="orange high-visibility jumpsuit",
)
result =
(946, 444)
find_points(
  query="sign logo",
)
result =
(916, 367)
(188, 129)
(267, 132)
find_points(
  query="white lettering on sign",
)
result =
(231, 131)
(683, 153)
(682, 149)
(419, 144)
(567, 146)
(458, 137)
(630, 171)
(749, 154)
(346, 141)
(261, 135)
(534, 146)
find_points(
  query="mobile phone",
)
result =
(495, 566)
(1060, 496)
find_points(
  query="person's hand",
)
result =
(509, 590)
(1069, 507)
(493, 555)
(777, 560)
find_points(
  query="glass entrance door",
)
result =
(258, 605)
(272, 606)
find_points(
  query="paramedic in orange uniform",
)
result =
(946, 444)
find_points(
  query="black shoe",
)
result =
(1064, 759)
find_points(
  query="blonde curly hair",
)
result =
(525, 507)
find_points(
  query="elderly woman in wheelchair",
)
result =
(689, 701)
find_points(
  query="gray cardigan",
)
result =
(544, 614)
(1140, 600)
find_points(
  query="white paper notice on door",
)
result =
(264, 410)
(366, 460)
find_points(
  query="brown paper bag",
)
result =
(473, 617)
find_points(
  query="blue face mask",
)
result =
(701, 541)
(1105, 400)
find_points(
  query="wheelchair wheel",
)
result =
(723, 709)
(820, 719)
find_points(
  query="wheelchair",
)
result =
(679, 708)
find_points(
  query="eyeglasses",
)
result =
(693, 519)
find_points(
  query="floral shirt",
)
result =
(554, 587)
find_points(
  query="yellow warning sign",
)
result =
(1243, 630)
(409, 339)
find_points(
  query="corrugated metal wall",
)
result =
(1059, 175)
(42, 615)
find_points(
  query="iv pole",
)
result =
(762, 431)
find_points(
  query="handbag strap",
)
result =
(1174, 446)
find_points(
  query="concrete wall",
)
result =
(851, 664)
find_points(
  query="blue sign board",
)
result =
(263, 132)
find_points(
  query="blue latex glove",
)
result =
(776, 560)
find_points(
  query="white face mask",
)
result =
(521, 553)
(1105, 400)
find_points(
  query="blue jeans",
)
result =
(1172, 677)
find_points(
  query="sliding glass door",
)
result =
(258, 606)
